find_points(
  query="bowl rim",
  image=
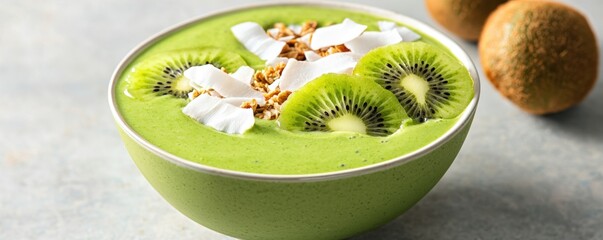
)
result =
(465, 118)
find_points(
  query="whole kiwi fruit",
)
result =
(541, 55)
(465, 18)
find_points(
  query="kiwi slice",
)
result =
(425, 80)
(337, 102)
(162, 74)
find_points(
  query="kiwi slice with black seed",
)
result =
(162, 74)
(338, 102)
(426, 81)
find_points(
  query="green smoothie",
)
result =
(265, 148)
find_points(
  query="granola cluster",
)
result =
(284, 31)
(272, 109)
(209, 91)
(263, 78)
(295, 46)
(333, 49)
(274, 99)
(308, 27)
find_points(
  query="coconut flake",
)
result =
(371, 40)
(273, 32)
(305, 39)
(216, 113)
(295, 28)
(244, 74)
(286, 39)
(336, 34)
(311, 56)
(386, 25)
(406, 34)
(274, 85)
(253, 37)
(275, 61)
(298, 73)
(208, 76)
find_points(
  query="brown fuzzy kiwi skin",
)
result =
(465, 18)
(541, 55)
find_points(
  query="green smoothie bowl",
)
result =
(291, 186)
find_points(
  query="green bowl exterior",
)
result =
(329, 209)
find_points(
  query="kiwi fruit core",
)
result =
(347, 122)
(163, 73)
(339, 102)
(427, 82)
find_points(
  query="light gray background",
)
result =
(64, 174)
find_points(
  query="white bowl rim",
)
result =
(464, 119)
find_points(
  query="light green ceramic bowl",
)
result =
(315, 206)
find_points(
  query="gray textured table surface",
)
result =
(64, 174)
